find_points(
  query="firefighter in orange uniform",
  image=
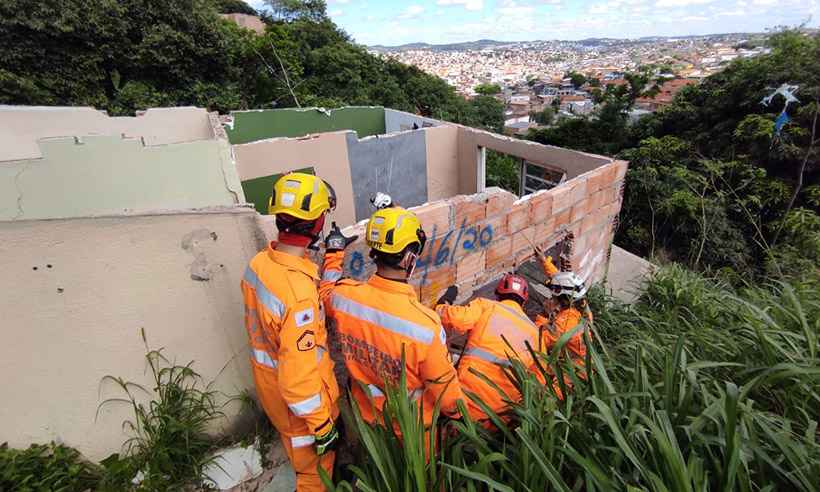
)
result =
(485, 322)
(377, 319)
(565, 308)
(285, 323)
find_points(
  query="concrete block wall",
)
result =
(474, 239)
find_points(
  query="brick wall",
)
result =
(475, 239)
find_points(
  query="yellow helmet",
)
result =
(392, 229)
(301, 195)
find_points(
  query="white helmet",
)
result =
(566, 284)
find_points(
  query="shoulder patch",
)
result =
(304, 317)
(307, 341)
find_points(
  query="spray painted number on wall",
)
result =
(439, 252)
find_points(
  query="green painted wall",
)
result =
(250, 126)
(258, 190)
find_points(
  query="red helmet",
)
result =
(513, 284)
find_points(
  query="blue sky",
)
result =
(392, 22)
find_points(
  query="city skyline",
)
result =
(390, 22)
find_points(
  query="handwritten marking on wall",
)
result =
(438, 253)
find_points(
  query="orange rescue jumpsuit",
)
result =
(374, 321)
(565, 320)
(485, 321)
(291, 367)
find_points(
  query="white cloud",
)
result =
(681, 3)
(763, 2)
(599, 8)
(336, 13)
(694, 18)
(339, 1)
(411, 12)
(467, 4)
(732, 13)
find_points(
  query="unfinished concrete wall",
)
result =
(399, 121)
(81, 177)
(23, 126)
(260, 163)
(442, 162)
(77, 292)
(249, 126)
(475, 239)
(395, 164)
(574, 163)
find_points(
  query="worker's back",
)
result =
(379, 321)
(496, 331)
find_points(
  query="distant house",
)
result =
(667, 93)
(251, 22)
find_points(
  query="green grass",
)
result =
(698, 386)
(49, 467)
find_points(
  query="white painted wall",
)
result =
(76, 293)
(397, 121)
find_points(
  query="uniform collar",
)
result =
(393, 286)
(301, 264)
(512, 304)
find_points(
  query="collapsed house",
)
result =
(110, 225)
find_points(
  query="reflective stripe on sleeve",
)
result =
(302, 441)
(483, 354)
(375, 391)
(319, 353)
(307, 406)
(383, 320)
(331, 275)
(270, 301)
(264, 358)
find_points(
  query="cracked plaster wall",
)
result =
(81, 177)
(76, 293)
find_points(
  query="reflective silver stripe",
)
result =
(415, 394)
(375, 391)
(304, 407)
(302, 441)
(483, 354)
(331, 275)
(264, 358)
(382, 319)
(442, 335)
(270, 301)
(319, 353)
(518, 315)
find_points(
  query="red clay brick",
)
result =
(579, 192)
(611, 174)
(470, 210)
(519, 217)
(523, 240)
(541, 208)
(470, 266)
(621, 168)
(544, 230)
(597, 200)
(498, 224)
(499, 252)
(434, 215)
(562, 196)
(580, 210)
(589, 222)
(499, 202)
(435, 283)
(563, 218)
(595, 180)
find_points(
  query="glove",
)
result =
(336, 241)
(381, 200)
(549, 267)
(449, 295)
(327, 441)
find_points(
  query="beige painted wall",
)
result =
(325, 152)
(442, 162)
(23, 126)
(111, 176)
(469, 139)
(76, 318)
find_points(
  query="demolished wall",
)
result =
(476, 239)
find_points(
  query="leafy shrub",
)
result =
(52, 467)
